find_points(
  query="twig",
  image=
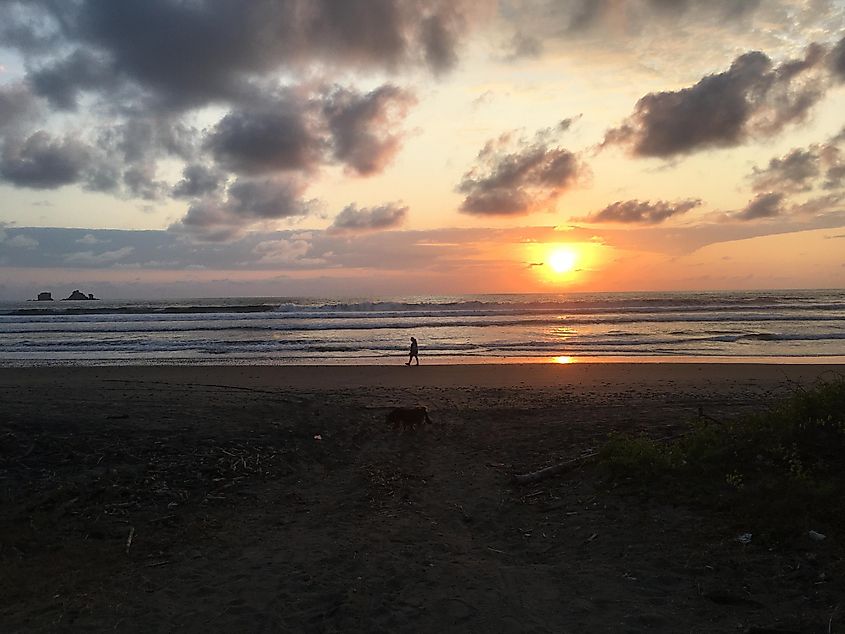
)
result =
(566, 465)
(542, 474)
(129, 539)
(155, 564)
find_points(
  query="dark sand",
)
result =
(242, 521)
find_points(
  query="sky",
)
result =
(208, 148)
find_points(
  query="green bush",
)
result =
(784, 467)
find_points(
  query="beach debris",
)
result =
(816, 536)
(745, 538)
(129, 538)
(318, 437)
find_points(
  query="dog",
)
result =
(407, 418)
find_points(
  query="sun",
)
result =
(562, 260)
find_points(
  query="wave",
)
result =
(143, 310)
(399, 323)
(572, 305)
(581, 344)
(270, 330)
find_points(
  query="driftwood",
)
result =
(566, 465)
(560, 467)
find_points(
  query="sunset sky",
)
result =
(397, 147)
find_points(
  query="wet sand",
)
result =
(277, 499)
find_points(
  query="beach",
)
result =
(254, 499)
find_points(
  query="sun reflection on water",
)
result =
(563, 360)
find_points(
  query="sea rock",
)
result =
(45, 297)
(77, 295)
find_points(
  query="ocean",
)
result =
(783, 326)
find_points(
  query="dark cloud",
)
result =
(198, 181)
(827, 204)
(837, 59)
(267, 199)
(26, 27)
(125, 156)
(185, 54)
(794, 172)
(752, 98)
(216, 219)
(766, 205)
(524, 46)
(567, 18)
(300, 131)
(140, 181)
(517, 176)
(120, 159)
(42, 161)
(641, 212)
(353, 219)
(62, 81)
(17, 105)
(818, 166)
(277, 137)
(362, 126)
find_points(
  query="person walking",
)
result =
(415, 352)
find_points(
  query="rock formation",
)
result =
(45, 297)
(77, 295)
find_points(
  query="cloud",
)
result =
(795, 171)
(641, 212)
(352, 219)
(22, 241)
(185, 54)
(753, 98)
(89, 258)
(89, 239)
(837, 59)
(43, 162)
(442, 255)
(523, 46)
(266, 199)
(820, 165)
(290, 252)
(766, 205)
(129, 82)
(248, 201)
(277, 136)
(820, 205)
(198, 180)
(517, 176)
(362, 126)
(582, 15)
(297, 130)
(62, 81)
(17, 105)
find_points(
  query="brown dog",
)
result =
(408, 417)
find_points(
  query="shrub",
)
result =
(783, 468)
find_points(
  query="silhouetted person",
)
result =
(415, 352)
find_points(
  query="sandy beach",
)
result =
(250, 499)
